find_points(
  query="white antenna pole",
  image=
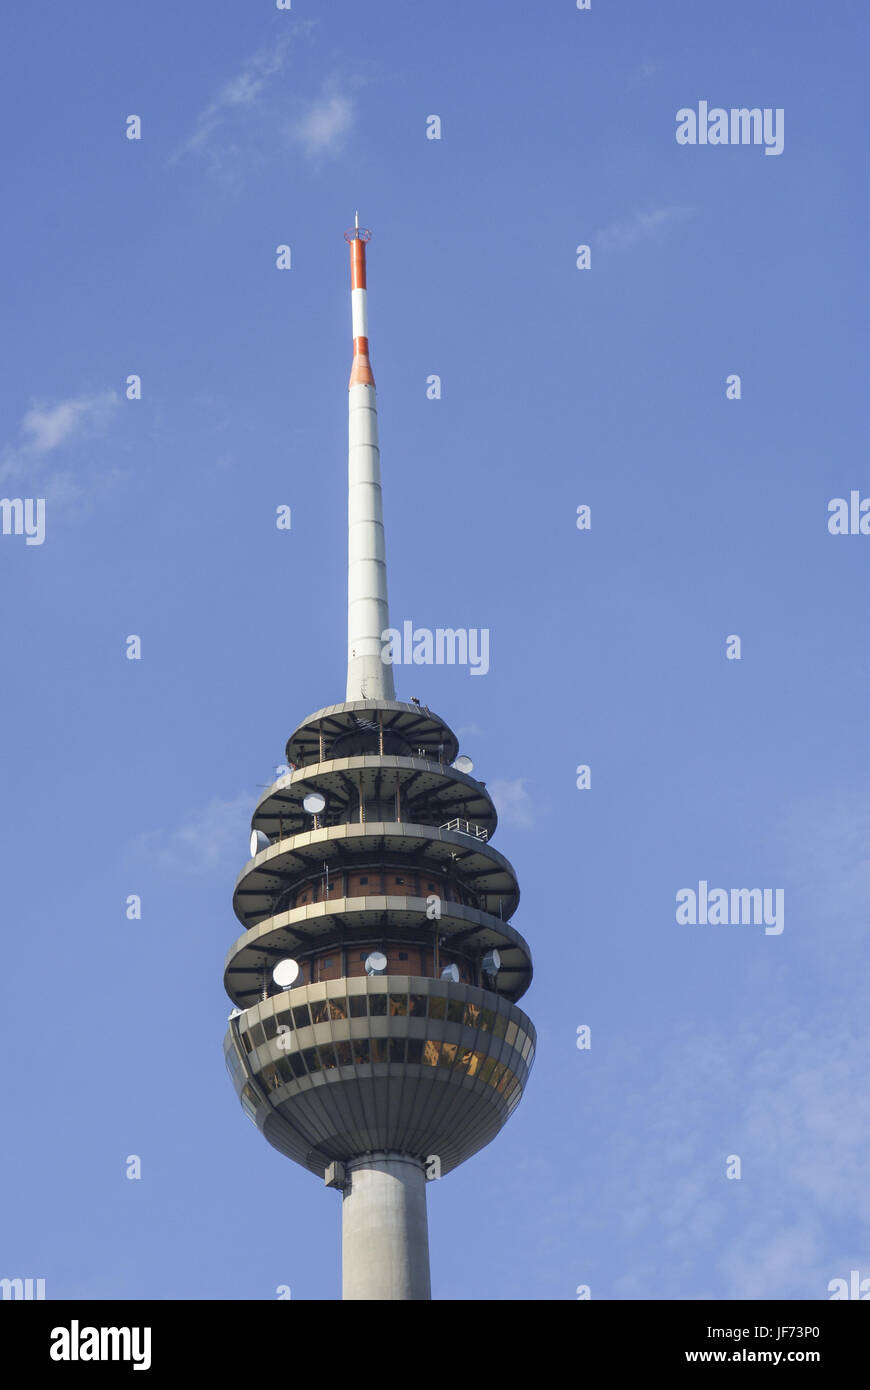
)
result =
(368, 678)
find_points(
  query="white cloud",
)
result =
(322, 127)
(642, 225)
(240, 93)
(512, 801)
(47, 427)
(209, 838)
(787, 1097)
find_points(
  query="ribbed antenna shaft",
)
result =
(368, 678)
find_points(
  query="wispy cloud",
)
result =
(322, 127)
(213, 836)
(619, 236)
(228, 133)
(47, 429)
(512, 801)
(241, 93)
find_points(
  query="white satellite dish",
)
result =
(314, 803)
(492, 962)
(259, 841)
(376, 963)
(451, 972)
(463, 764)
(285, 972)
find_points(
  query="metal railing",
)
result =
(465, 827)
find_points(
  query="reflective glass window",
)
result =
(510, 1036)
(297, 1065)
(417, 1006)
(360, 1047)
(344, 1054)
(377, 1005)
(475, 1063)
(379, 1050)
(337, 1007)
(472, 1015)
(249, 1101)
(487, 1018)
(397, 1049)
(415, 1050)
(455, 1010)
(448, 1055)
(301, 1016)
(312, 1061)
(437, 1006)
(283, 1016)
(398, 1005)
(270, 1027)
(497, 1074)
(246, 1039)
(527, 1047)
(486, 1069)
(357, 1006)
(500, 1026)
(430, 1053)
(257, 1035)
(285, 1071)
(320, 1011)
(327, 1057)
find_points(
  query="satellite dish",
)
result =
(376, 963)
(492, 962)
(285, 972)
(451, 972)
(314, 803)
(463, 764)
(259, 841)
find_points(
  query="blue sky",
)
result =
(560, 387)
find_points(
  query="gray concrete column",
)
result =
(384, 1233)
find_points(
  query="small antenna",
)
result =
(356, 220)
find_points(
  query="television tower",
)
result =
(375, 1037)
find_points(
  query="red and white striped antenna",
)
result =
(361, 371)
